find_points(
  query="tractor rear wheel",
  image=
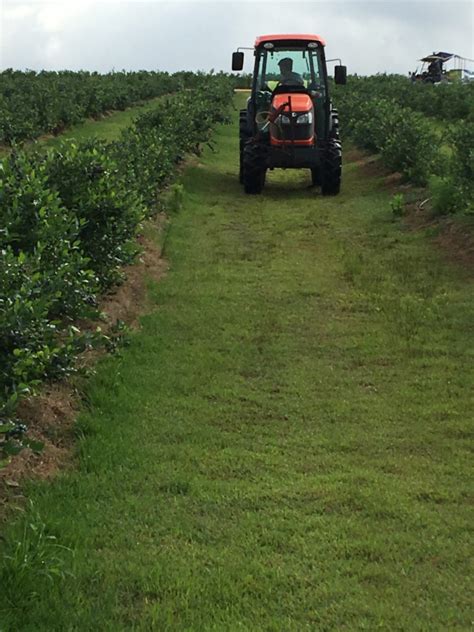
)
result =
(331, 168)
(253, 167)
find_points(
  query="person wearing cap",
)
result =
(288, 77)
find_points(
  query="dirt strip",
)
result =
(51, 414)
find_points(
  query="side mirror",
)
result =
(237, 61)
(340, 75)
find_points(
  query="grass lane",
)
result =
(285, 443)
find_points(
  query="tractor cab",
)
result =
(289, 121)
(292, 74)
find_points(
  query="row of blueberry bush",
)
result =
(425, 151)
(448, 102)
(35, 103)
(69, 217)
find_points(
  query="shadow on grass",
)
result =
(280, 184)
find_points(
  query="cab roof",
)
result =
(261, 39)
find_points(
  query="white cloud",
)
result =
(53, 51)
(12, 12)
(58, 16)
(100, 35)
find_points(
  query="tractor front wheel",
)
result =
(253, 167)
(316, 176)
(331, 168)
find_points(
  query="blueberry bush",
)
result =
(34, 103)
(69, 217)
(423, 131)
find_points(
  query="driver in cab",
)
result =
(287, 76)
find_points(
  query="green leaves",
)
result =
(445, 102)
(462, 164)
(392, 116)
(107, 212)
(405, 140)
(47, 102)
(69, 220)
(13, 441)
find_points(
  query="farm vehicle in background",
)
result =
(289, 121)
(433, 69)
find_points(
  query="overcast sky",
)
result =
(103, 35)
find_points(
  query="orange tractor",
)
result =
(289, 121)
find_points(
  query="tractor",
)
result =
(289, 121)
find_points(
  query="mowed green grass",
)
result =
(285, 445)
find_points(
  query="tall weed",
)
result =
(31, 555)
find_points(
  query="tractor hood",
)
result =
(299, 102)
(295, 125)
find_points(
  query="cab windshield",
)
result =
(290, 66)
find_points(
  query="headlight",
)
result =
(283, 120)
(305, 119)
